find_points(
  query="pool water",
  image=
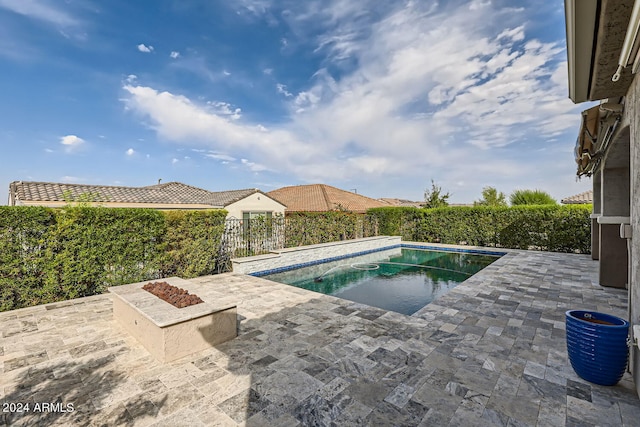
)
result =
(401, 280)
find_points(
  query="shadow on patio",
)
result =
(490, 352)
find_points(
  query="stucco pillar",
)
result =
(614, 263)
(632, 113)
(597, 210)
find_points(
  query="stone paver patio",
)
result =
(491, 352)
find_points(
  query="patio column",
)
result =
(597, 210)
(615, 210)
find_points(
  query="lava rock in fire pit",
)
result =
(177, 297)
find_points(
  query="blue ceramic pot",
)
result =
(597, 346)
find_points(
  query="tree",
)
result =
(84, 200)
(531, 197)
(491, 197)
(434, 198)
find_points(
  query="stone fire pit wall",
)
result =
(167, 332)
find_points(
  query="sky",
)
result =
(381, 98)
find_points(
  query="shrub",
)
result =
(551, 228)
(24, 237)
(308, 228)
(92, 248)
(531, 197)
(192, 242)
(49, 255)
(491, 197)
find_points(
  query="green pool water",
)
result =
(401, 280)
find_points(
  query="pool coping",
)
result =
(499, 341)
(477, 250)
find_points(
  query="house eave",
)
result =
(596, 32)
(580, 21)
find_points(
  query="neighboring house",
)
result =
(603, 58)
(323, 198)
(401, 202)
(579, 199)
(172, 195)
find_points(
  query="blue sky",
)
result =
(382, 97)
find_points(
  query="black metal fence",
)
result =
(247, 237)
(255, 236)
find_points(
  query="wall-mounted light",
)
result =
(629, 47)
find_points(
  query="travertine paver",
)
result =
(491, 352)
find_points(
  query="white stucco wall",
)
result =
(254, 202)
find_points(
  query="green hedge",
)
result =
(24, 233)
(90, 249)
(310, 228)
(548, 227)
(49, 255)
(192, 242)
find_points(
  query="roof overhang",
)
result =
(596, 31)
(581, 18)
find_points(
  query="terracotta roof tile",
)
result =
(582, 198)
(169, 193)
(322, 198)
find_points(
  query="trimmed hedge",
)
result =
(49, 255)
(309, 228)
(192, 242)
(90, 249)
(24, 233)
(542, 227)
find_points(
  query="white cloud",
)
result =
(253, 167)
(256, 7)
(144, 48)
(174, 161)
(71, 142)
(225, 109)
(307, 99)
(436, 92)
(174, 54)
(130, 152)
(40, 10)
(220, 156)
(283, 90)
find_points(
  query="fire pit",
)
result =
(175, 296)
(168, 332)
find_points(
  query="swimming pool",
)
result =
(402, 279)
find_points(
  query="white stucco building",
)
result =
(240, 204)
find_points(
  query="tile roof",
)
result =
(169, 193)
(401, 202)
(582, 198)
(322, 198)
(215, 198)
